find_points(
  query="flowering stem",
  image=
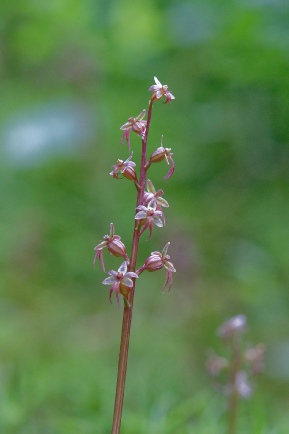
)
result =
(234, 396)
(127, 311)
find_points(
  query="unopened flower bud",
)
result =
(154, 262)
(159, 155)
(117, 248)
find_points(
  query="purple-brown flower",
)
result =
(138, 125)
(120, 281)
(148, 216)
(159, 90)
(152, 193)
(114, 245)
(158, 260)
(125, 168)
(163, 154)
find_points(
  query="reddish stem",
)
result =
(127, 311)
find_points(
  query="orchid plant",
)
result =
(231, 375)
(148, 213)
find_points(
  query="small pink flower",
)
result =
(151, 193)
(148, 216)
(254, 357)
(125, 168)
(138, 125)
(163, 154)
(233, 327)
(159, 91)
(114, 245)
(242, 385)
(120, 281)
(158, 260)
(216, 364)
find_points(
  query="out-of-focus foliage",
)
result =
(71, 73)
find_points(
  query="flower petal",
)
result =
(171, 171)
(141, 215)
(158, 221)
(100, 245)
(150, 187)
(109, 280)
(141, 115)
(123, 268)
(163, 202)
(165, 250)
(131, 274)
(127, 282)
(169, 266)
(99, 255)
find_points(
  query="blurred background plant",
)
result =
(231, 375)
(66, 69)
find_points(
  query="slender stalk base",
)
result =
(122, 369)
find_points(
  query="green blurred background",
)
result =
(72, 72)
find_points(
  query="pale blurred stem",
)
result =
(234, 396)
(127, 311)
